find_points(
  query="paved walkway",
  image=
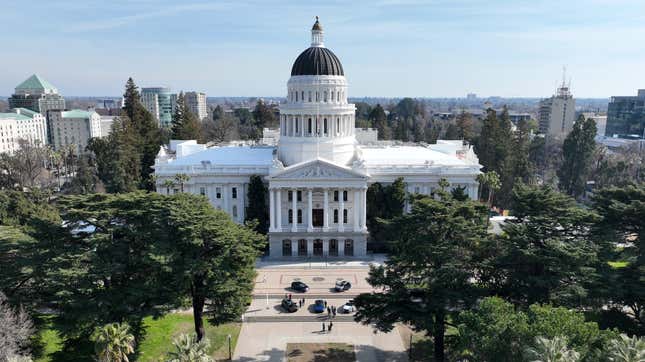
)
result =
(277, 281)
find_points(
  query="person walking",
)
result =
(328, 311)
(325, 304)
(323, 327)
(330, 325)
(333, 311)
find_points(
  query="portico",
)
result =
(310, 215)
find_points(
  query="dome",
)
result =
(317, 61)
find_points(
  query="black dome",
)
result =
(317, 61)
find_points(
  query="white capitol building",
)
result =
(318, 173)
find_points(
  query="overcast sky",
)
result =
(391, 48)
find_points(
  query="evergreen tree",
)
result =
(429, 271)
(394, 198)
(257, 209)
(516, 165)
(147, 136)
(185, 125)
(264, 116)
(577, 151)
(545, 254)
(378, 118)
(485, 146)
(464, 124)
(218, 113)
(452, 132)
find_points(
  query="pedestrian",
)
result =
(328, 311)
(286, 296)
(325, 304)
(289, 296)
(333, 311)
(323, 327)
(303, 301)
(300, 303)
(330, 325)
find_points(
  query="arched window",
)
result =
(325, 95)
(234, 211)
(317, 96)
(296, 96)
(325, 126)
(302, 96)
(297, 125)
(332, 96)
(338, 96)
(337, 125)
(286, 247)
(349, 247)
(309, 96)
(309, 126)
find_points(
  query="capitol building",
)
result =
(317, 172)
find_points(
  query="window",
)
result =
(317, 96)
(325, 126)
(335, 216)
(332, 96)
(299, 195)
(297, 124)
(345, 195)
(416, 189)
(290, 195)
(309, 96)
(234, 211)
(299, 216)
(290, 216)
(302, 96)
(309, 126)
(344, 216)
(336, 195)
(337, 125)
(296, 96)
(286, 246)
(202, 191)
(234, 192)
(325, 95)
(218, 192)
(338, 96)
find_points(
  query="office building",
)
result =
(557, 114)
(160, 102)
(626, 115)
(21, 124)
(73, 128)
(37, 94)
(196, 103)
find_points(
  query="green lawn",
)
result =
(617, 264)
(157, 341)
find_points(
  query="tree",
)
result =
(464, 124)
(23, 168)
(212, 260)
(428, 274)
(452, 132)
(189, 349)
(218, 113)
(220, 130)
(394, 197)
(85, 178)
(257, 209)
(378, 118)
(545, 254)
(17, 329)
(264, 115)
(169, 185)
(516, 165)
(622, 223)
(492, 183)
(577, 150)
(185, 124)
(147, 136)
(551, 350)
(625, 349)
(113, 343)
(181, 179)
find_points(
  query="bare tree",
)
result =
(16, 328)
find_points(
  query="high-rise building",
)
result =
(557, 114)
(196, 103)
(21, 124)
(626, 115)
(37, 94)
(160, 102)
(73, 128)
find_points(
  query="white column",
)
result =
(341, 211)
(310, 225)
(341, 247)
(294, 210)
(364, 209)
(240, 202)
(310, 246)
(356, 213)
(325, 247)
(271, 210)
(278, 204)
(326, 210)
(226, 195)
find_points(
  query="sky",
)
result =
(388, 48)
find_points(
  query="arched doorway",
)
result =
(302, 247)
(286, 247)
(318, 247)
(349, 247)
(333, 247)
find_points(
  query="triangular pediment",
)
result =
(318, 169)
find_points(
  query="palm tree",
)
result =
(551, 350)
(491, 180)
(181, 179)
(625, 349)
(113, 343)
(168, 184)
(189, 349)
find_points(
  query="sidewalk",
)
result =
(320, 263)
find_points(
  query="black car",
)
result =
(342, 286)
(289, 305)
(299, 287)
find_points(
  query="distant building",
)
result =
(196, 103)
(601, 121)
(160, 102)
(37, 94)
(557, 114)
(106, 125)
(73, 128)
(471, 96)
(21, 123)
(109, 104)
(626, 115)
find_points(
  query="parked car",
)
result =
(348, 307)
(289, 305)
(319, 306)
(343, 285)
(299, 287)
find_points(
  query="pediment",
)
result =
(318, 169)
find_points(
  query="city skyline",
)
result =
(392, 48)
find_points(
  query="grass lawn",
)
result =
(320, 352)
(618, 264)
(157, 341)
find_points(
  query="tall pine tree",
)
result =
(577, 152)
(185, 125)
(257, 209)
